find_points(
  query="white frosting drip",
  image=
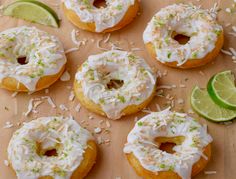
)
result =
(44, 54)
(103, 18)
(98, 70)
(63, 134)
(141, 142)
(185, 19)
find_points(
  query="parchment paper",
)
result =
(111, 162)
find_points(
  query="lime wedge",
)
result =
(33, 11)
(222, 90)
(203, 104)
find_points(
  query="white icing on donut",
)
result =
(44, 54)
(185, 19)
(141, 142)
(98, 70)
(60, 133)
(103, 18)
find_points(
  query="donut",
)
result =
(166, 144)
(183, 36)
(114, 84)
(52, 147)
(85, 15)
(30, 59)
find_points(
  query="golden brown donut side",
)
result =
(197, 167)
(129, 16)
(12, 84)
(87, 163)
(193, 63)
(96, 108)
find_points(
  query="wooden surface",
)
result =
(112, 162)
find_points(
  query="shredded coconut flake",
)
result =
(232, 51)
(63, 107)
(158, 107)
(77, 108)
(14, 94)
(71, 50)
(72, 96)
(6, 163)
(226, 52)
(107, 38)
(210, 172)
(164, 87)
(65, 76)
(8, 125)
(136, 49)
(99, 45)
(74, 34)
(50, 101)
(30, 107)
(108, 124)
(97, 130)
(46, 91)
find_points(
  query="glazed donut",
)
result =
(152, 134)
(114, 84)
(116, 14)
(205, 36)
(30, 59)
(52, 147)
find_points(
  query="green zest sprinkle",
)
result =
(40, 62)
(41, 72)
(172, 168)
(158, 23)
(121, 98)
(162, 165)
(132, 58)
(169, 54)
(32, 76)
(217, 32)
(194, 54)
(87, 3)
(167, 40)
(138, 99)
(2, 54)
(193, 128)
(35, 170)
(102, 101)
(119, 7)
(90, 74)
(140, 123)
(60, 172)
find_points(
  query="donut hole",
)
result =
(100, 3)
(168, 143)
(48, 152)
(22, 60)
(115, 84)
(180, 38)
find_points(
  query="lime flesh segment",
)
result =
(203, 104)
(32, 11)
(222, 89)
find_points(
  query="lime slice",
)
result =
(203, 104)
(32, 11)
(222, 90)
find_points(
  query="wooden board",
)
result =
(111, 162)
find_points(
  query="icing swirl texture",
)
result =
(61, 133)
(142, 143)
(44, 55)
(138, 81)
(185, 19)
(103, 17)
